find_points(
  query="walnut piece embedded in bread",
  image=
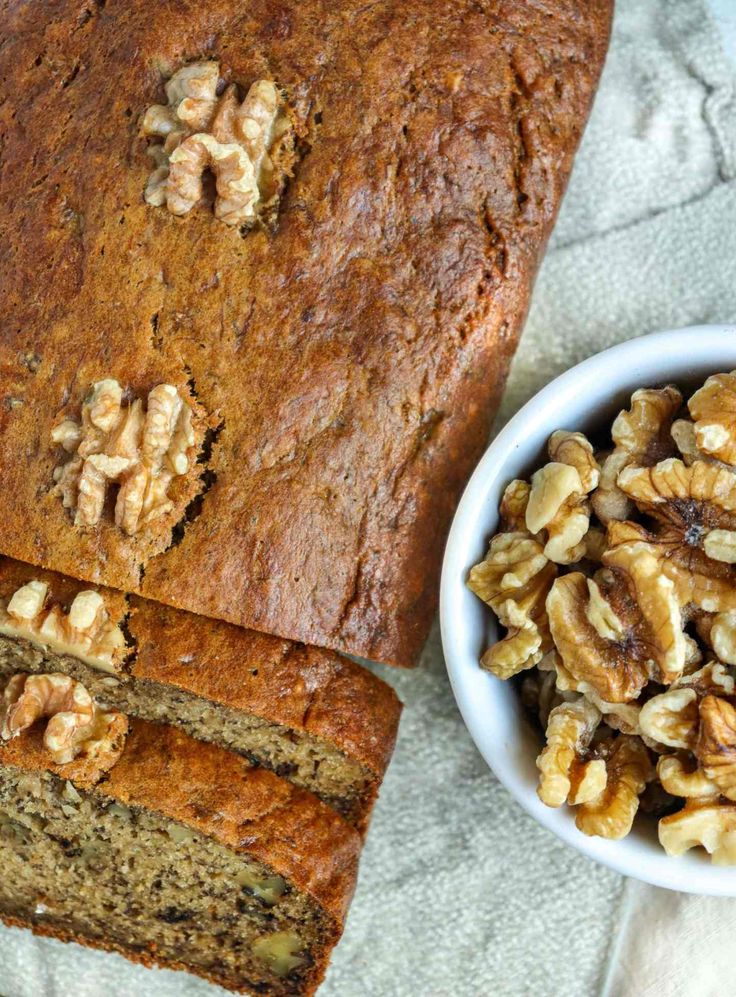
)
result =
(139, 451)
(241, 143)
(86, 631)
(76, 726)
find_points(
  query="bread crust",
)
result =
(306, 689)
(350, 358)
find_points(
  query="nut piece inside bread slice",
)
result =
(182, 855)
(317, 719)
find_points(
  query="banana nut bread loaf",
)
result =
(317, 719)
(178, 853)
(264, 267)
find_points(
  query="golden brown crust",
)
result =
(223, 796)
(306, 689)
(352, 356)
(245, 808)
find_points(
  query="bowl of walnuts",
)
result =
(588, 608)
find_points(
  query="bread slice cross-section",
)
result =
(181, 854)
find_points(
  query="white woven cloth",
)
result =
(461, 894)
(671, 945)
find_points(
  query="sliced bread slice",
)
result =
(175, 852)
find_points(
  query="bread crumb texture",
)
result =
(142, 861)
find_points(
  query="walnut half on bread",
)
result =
(139, 450)
(245, 144)
(635, 683)
(75, 724)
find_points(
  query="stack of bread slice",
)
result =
(217, 823)
(311, 716)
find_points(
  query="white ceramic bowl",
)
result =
(586, 397)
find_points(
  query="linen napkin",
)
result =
(671, 945)
(461, 894)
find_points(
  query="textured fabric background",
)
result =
(461, 894)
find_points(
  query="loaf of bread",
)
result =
(320, 333)
(181, 854)
(313, 717)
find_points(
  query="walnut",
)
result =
(713, 409)
(596, 544)
(623, 717)
(141, 452)
(716, 746)
(723, 636)
(713, 678)
(520, 649)
(608, 501)
(552, 485)
(671, 718)
(540, 693)
(619, 630)
(628, 769)
(282, 952)
(642, 437)
(683, 433)
(512, 511)
(514, 579)
(681, 779)
(75, 725)
(618, 681)
(571, 688)
(619, 716)
(86, 631)
(68, 434)
(27, 602)
(694, 509)
(563, 773)
(576, 451)
(237, 189)
(693, 654)
(557, 502)
(711, 825)
(192, 94)
(240, 143)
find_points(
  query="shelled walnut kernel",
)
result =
(245, 144)
(140, 451)
(85, 631)
(76, 726)
(617, 568)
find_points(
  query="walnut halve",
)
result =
(141, 452)
(245, 144)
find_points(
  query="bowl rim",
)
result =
(709, 347)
